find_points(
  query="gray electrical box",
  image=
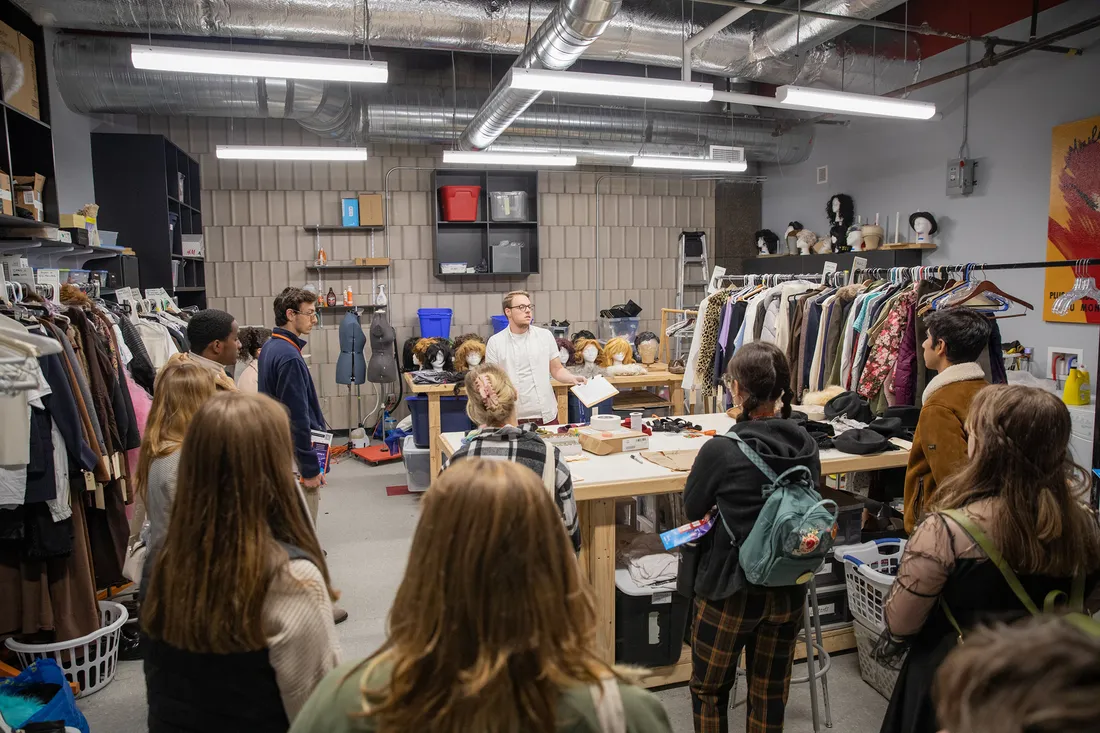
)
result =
(961, 176)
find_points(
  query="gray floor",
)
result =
(367, 536)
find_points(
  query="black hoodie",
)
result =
(723, 475)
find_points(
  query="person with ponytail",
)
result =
(730, 614)
(1022, 494)
(491, 405)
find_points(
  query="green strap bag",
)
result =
(1055, 600)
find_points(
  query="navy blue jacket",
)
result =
(285, 376)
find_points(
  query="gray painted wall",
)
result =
(889, 166)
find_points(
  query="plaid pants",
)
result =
(764, 622)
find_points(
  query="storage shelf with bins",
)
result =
(472, 241)
(148, 190)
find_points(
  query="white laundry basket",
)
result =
(869, 571)
(89, 661)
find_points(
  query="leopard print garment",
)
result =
(708, 344)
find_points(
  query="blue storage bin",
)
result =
(579, 413)
(435, 322)
(452, 417)
(499, 323)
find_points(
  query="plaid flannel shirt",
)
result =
(523, 445)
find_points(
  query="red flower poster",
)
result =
(1073, 227)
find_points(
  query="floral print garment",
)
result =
(884, 352)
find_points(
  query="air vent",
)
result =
(727, 153)
(823, 174)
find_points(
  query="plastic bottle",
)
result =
(1078, 390)
(322, 258)
(349, 299)
(381, 298)
(331, 298)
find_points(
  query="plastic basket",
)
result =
(434, 322)
(873, 672)
(459, 202)
(499, 323)
(869, 571)
(89, 661)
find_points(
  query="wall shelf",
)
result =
(188, 258)
(316, 228)
(189, 289)
(472, 241)
(373, 263)
(799, 264)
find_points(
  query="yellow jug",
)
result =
(1078, 390)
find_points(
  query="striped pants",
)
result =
(763, 622)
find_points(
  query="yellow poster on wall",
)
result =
(1073, 225)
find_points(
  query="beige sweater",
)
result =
(301, 636)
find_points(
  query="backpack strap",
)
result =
(754, 457)
(995, 557)
(550, 469)
(609, 705)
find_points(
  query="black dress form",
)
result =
(383, 361)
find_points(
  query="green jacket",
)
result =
(329, 708)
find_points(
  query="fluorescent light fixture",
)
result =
(861, 104)
(609, 85)
(246, 63)
(288, 152)
(670, 162)
(483, 157)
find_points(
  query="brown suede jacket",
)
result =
(939, 443)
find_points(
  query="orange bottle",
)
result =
(348, 297)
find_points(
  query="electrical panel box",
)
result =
(961, 176)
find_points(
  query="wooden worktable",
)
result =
(599, 481)
(561, 392)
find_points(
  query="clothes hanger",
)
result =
(988, 286)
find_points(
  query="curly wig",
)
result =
(469, 346)
(847, 211)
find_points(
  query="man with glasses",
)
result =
(529, 355)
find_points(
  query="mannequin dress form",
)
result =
(382, 368)
(351, 365)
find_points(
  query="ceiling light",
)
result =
(669, 162)
(288, 152)
(246, 63)
(863, 104)
(609, 85)
(465, 157)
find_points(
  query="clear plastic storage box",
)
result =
(507, 257)
(508, 205)
(625, 327)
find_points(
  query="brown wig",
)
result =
(420, 351)
(581, 344)
(564, 343)
(1041, 675)
(236, 501)
(762, 375)
(182, 387)
(472, 650)
(1022, 459)
(459, 340)
(469, 346)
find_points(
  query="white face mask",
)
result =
(589, 353)
(472, 360)
(563, 355)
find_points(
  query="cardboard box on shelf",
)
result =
(28, 194)
(192, 245)
(6, 202)
(370, 210)
(72, 221)
(25, 96)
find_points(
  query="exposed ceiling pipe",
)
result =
(641, 32)
(559, 42)
(94, 77)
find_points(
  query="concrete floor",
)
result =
(367, 536)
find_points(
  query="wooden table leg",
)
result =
(676, 390)
(562, 393)
(434, 431)
(598, 558)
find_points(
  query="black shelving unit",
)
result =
(27, 143)
(315, 228)
(137, 187)
(471, 241)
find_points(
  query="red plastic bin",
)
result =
(459, 202)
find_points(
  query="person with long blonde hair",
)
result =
(181, 388)
(238, 615)
(1020, 495)
(492, 629)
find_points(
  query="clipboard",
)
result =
(595, 391)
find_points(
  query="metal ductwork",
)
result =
(642, 32)
(568, 31)
(94, 76)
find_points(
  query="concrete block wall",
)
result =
(253, 213)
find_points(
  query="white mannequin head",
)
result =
(437, 362)
(836, 205)
(563, 355)
(855, 238)
(473, 359)
(416, 360)
(618, 358)
(762, 245)
(922, 227)
(589, 354)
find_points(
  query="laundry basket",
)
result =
(869, 571)
(91, 660)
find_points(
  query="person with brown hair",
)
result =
(491, 405)
(1037, 676)
(492, 629)
(730, 613)
(180, 390)
(1019, 496)
(238, 616)
(252, 339)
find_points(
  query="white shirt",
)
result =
(526, 358)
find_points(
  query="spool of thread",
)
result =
(635, 421)
(606, 422)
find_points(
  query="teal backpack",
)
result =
(795, 530)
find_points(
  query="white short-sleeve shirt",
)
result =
(526, 358)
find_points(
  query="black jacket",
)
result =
(722, 475)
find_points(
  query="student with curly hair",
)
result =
(248, 372)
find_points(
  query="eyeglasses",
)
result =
(525, 308)
(312, 315)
